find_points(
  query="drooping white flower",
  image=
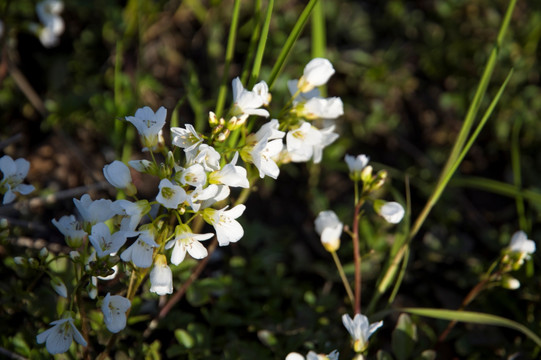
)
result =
(161, 277)
(356, 163)
(227, 228)
(141, 251)
(329, 227)
(106, 243)
(71, 229)
(521, 246)
(94, 211)
(59, 287)
(148, 124)
(360, 330)
(391, 211)
(58, 338)
(114, 309)
(188, 242)
(316, 73)
(246, 103)
(170, 195)
(230, 175)
(187, 139)
(117, 174)
(14, 174)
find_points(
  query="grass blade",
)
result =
(261, 47)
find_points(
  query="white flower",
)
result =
(227, 228)
(148, 124)
(265, 145)
(14, 174)
(58, 338)
(319, 108)
(356, 163)
(391, 211)
(71, 229)
(522, 246)
(131, 213)
(161, 277)
(206, 156)
(313, 356)
(194, 175)
(170, 195)
(95, 211)
(247, 102)
(360, 330)
(230, 175)
(187, 241)
(117, 174)
(141, 251)
(142, 166)
(114, 312)
(53, 25)
(187, 139)
(329, 227)
(307, 142)
(199, 195)
(59, 286)
(105, 243)
(316, 73)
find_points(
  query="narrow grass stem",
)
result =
(343, 277)
(357, 257)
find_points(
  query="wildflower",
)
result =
(94, 211)
(141, 251)
(330, 229)
(391, 211)
(71, 229)
(265, 145)
(227, 228)
(207, 156)
(187, 241)
(148, 124)
(170, 195)
(246, 103)
(58, 286)
(307, 142)
(360, 330)
(114, 312)
(14, 174)
(319, 108)
(356, 163)
(521, 247)
(53, 25)
(131, 213)
(187, 139)
(313, 356)
(161, 277)
(200, 195)
(230, 175)
(118, 174)
(316, 73)
(105, 243)
(58, 338)
(509, 282)
(194, 175)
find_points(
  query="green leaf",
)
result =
(474, 318)
(404, 337)
(184, 338)
(384, 355)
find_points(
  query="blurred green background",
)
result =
(406, 72)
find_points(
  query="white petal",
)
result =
(197, 250)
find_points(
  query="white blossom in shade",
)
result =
(59, 287)
(71, 229)
(131, 212)
(141, 251)
(227, 228)
(319, 108)
(329, 228)
(106, 243)
(391, 211)
(356, 163)
(94, 211)
(316, 73)
(58, 338)
(187, 139)
(194, 175)
(263, 148)
(201, 194)
(208, 157)
(313, 356)
(53, 25)
(14, 174)
(170, 195)
(522, 246)
(188, 242)
(161, 277)
(307, 142)
(114, 309)
(246, 103)
(148, 124)
(230, 175)
(117, 174)
(360, 330)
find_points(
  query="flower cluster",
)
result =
(197, 177)
(52, 24)
(12, 182)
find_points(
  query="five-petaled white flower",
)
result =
(148, 124)
(246, 103)
(114, 309)
(329, 227)
(521, 245)
(58, 338)
(360, 330)
(316, 73)
(161, 277)
(230, 175)
(187, 139)
(71, 229)
(170, 195)
(14, 174)
(141, 251)
(94, 211)
(227, 228)
(187, 241)
(106, 243)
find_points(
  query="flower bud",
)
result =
(366, 174)
(316, 73)
(213, 120)
(161, 277)
(74, 255)
(117, 174)
(59, 287)
(391, 211)
(329, 227)
(380, 179)
(33, 263)
(19, 260)
(509, 282)
(43, 253)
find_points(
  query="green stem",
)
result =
(343, 277)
